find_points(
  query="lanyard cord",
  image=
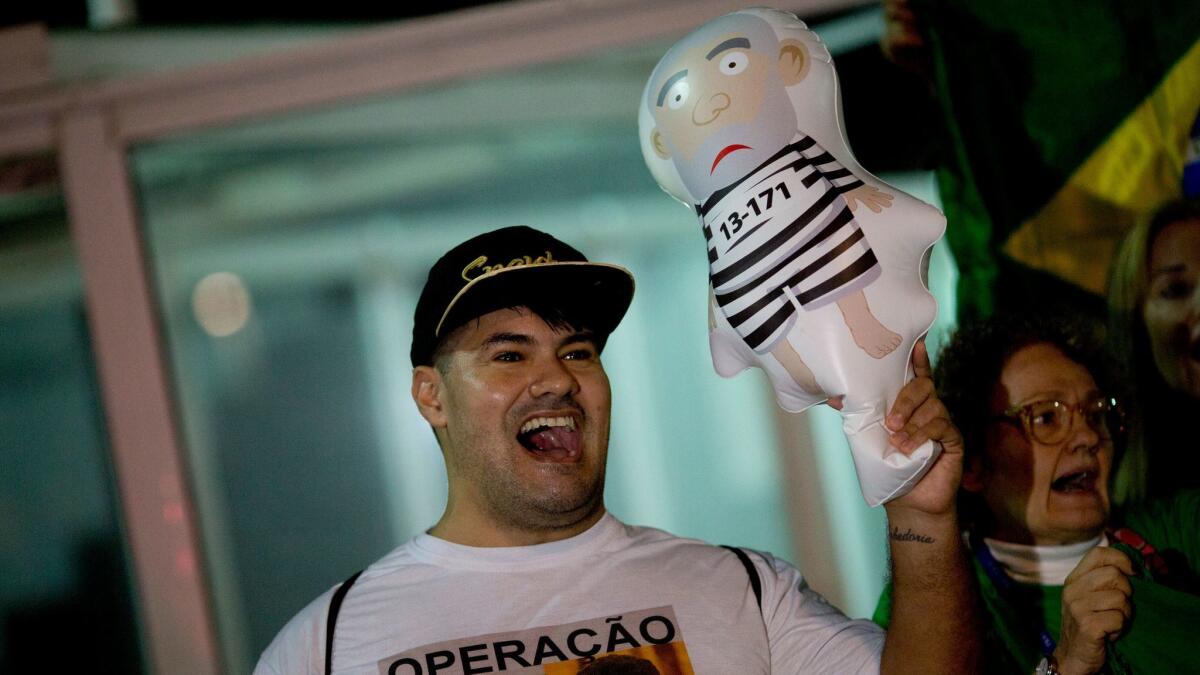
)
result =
(1005, 585)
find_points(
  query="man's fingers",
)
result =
(907, 401)
(917, 415)
(927, 410)
(920, 360)
(907, 442)
(940, 430)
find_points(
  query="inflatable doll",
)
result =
(816, 267)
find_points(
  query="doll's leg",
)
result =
(871, 336)
(795, 366)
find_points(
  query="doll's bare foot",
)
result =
(871, 336)
(875, 339)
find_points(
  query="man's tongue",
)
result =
(556, 443)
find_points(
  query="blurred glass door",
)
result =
(64, 572)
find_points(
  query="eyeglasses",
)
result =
(1050, 422)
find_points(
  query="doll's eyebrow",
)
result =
(731, 43)
(662, 94)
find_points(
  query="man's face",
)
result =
(523, 416)
(720, 103)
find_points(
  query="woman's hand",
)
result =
(1095, 607)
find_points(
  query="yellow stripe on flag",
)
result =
(1137, 168)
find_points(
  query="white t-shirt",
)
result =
(431, 606)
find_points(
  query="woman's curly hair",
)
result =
(969, 366)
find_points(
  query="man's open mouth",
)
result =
(1077, 482)
(725, 152)
(555, 439)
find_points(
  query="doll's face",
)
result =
(720, 102)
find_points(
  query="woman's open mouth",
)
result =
(1075, 483)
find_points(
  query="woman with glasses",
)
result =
(1068, 586)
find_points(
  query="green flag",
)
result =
(1068, 120)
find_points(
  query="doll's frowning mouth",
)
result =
(725, 152)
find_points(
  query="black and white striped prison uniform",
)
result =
(784, 230)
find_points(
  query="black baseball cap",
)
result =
(510, 267)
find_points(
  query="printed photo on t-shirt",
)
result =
(668, 659)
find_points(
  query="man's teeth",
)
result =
(540, 422)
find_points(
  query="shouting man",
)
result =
(526, 572)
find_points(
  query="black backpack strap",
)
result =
(335, 606)
(751, 571)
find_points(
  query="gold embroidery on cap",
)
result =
(480, 264)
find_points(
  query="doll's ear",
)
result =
(660, 147)
(793, 61)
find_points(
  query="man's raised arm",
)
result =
(936, 622)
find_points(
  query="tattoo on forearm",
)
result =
(909, 535)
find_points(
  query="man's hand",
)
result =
(918, 415)
(1095, 608)
(867, 194)
(936, 620)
